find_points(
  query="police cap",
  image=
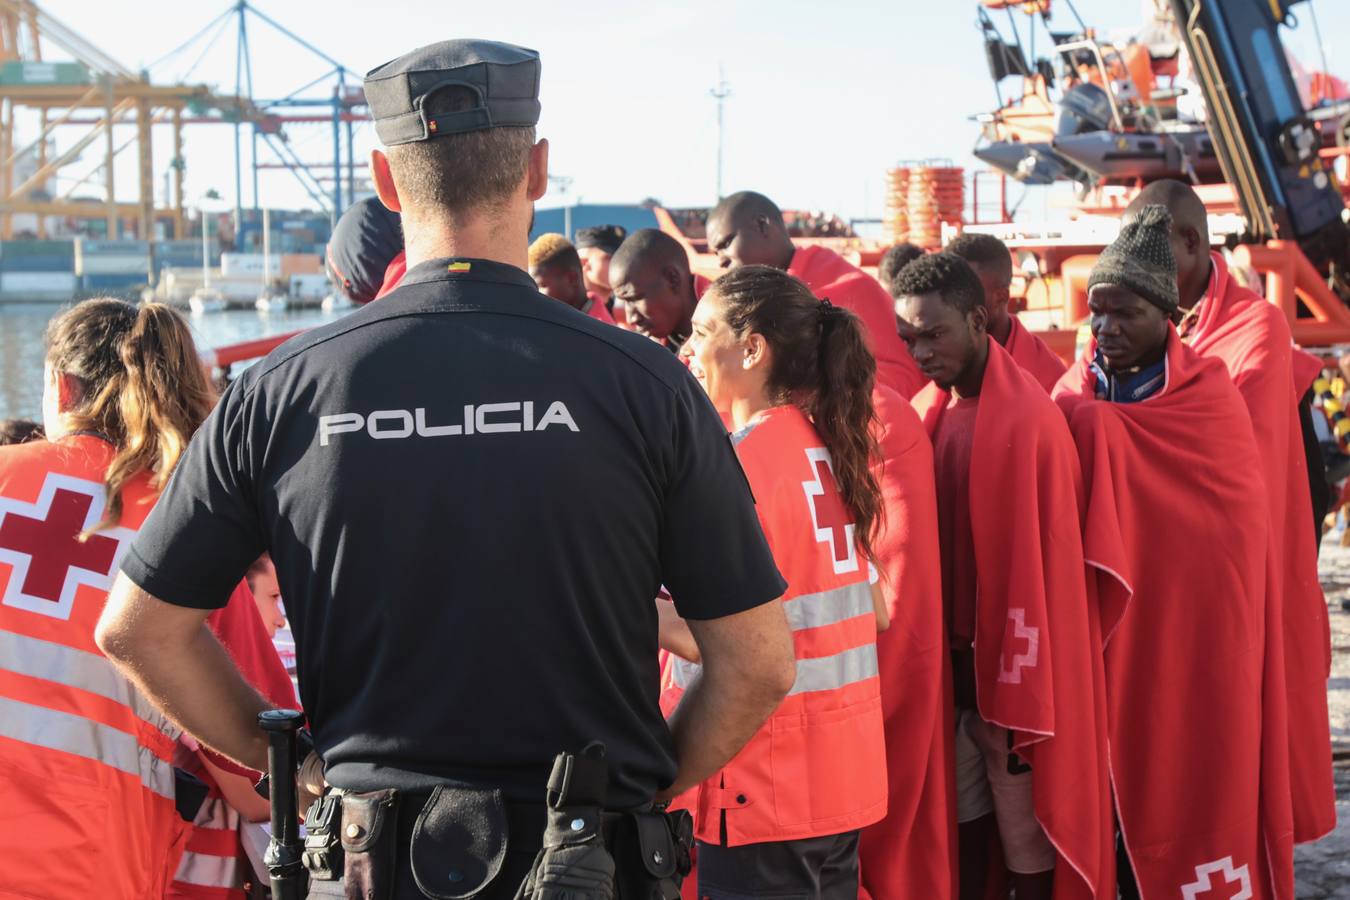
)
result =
(503, 76)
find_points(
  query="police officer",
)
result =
(472, 494)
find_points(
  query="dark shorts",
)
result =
(823, 868)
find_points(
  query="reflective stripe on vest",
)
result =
(80, 669)
(52, 729)
(212, 857)
(829, 607)
(822, 673)
(828, 673)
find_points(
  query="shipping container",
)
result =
(301, 264)
(310, 287)
(90, 247)
(65, 73)
(112, 257)
(181, 254)
(237, 264)
(37, 285)
(115, 285)
(37, 256)
(113, 265)
(189, 246)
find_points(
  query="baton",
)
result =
(283, 856)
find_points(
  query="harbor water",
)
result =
(21, 344)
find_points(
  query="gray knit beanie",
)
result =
(1140, 260)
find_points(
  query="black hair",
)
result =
(894, 259)
(19, 431)
(744, 206)
(606, 237)
(945, 274)
(983, 250)
(646, 247)
(1181, 200)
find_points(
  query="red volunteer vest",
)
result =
(818, 765)
(85, 761)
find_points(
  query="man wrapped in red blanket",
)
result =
(1179, 534)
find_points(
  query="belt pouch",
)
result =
(369, 838)
(459, 842)
(662, 850)
(323, 846)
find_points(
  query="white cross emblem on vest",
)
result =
(40, 542)
(830, 518)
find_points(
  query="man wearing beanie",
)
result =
(1177, 541)
(1132, 297)
(1251, 337)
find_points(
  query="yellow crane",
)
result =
(91, 91)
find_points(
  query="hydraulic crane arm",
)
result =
(1262, 134)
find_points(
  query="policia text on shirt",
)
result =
(487, 418)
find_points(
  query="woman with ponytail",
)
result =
(796, 376)
(86, 763)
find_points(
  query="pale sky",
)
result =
(825, 95)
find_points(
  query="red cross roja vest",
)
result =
(817, 766)
(86, 771)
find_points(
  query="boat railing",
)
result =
(224, 357)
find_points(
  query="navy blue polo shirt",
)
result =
(472, 494)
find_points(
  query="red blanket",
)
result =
(1032, 354)
(1037, 658)
(1252, 339)
(1306, 369)
(1180, 537)
(829, 275)
(912, 852)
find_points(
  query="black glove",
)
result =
(574, 863)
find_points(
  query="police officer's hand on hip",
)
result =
(472, 493)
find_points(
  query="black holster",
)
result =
(323, 838)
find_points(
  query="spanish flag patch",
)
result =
(459, 267)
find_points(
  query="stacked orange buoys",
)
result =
(895, 219)
(919, 199)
